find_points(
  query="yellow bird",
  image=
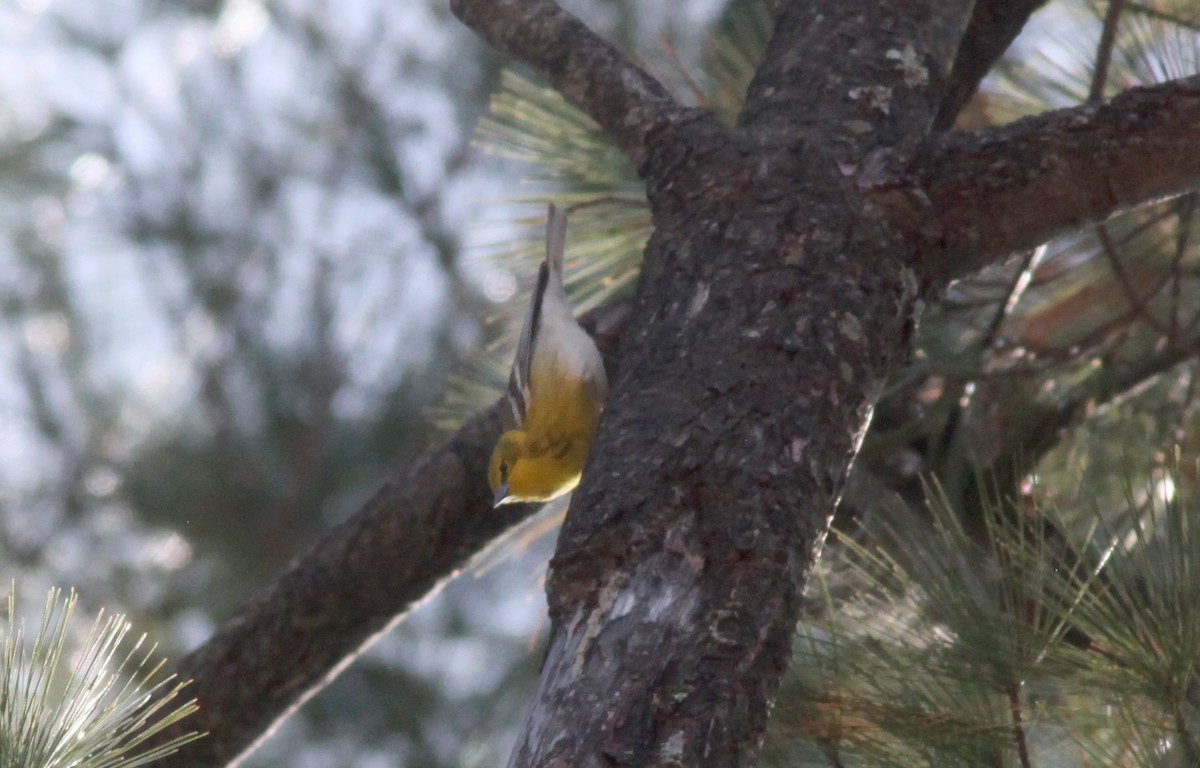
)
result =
(556, 391)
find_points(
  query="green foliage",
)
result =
(1153, 42)
(101, 715)
(1143, 611)
(555, 142)
(563, 151)
(1017, 644)
(563, 157)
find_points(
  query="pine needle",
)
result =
(101, 715)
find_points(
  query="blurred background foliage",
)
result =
(234, 277)
(256, 255)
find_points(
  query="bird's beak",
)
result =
(501, 496)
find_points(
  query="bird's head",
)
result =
(524, 470)
(505, 467)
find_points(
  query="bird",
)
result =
(556, 391)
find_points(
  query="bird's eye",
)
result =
(504, 472)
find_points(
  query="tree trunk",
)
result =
(789, 259)
(775, 298)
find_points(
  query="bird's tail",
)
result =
(556, 240)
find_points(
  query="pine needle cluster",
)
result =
(1031, 642)
(102, 712)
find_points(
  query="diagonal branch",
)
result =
(625, 101)
(1017, 186)
(994, 25)
(416, 532)
(1104, 50)
(1139, 305)
(296, 635)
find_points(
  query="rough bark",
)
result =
(772, 304)
(773, 301)
(1015, 187)
(626, 102)
(776, 295)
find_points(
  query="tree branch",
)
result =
(1104, 50)
(625, 101)
(1015, 187)
(994, 25)
(417, 531)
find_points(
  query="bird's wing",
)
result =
(518, 381)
